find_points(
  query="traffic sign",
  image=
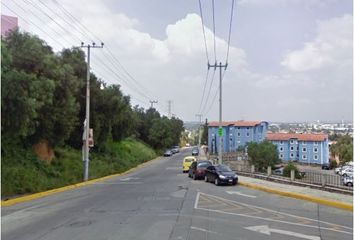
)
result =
(220, 132)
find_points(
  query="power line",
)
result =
(40, 9)
(211, 84)
(205, 42)
(107, 47)
(30, 22)
(228, 42)
(214, 29)
(205, 83)
(120, 76)
(214, 98)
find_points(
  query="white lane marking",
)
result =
(203, 230)
(274, 220)
(286, 214)
(241, 194)
(266, 230)
(128, 179)
(196, 200)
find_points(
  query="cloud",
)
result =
(332, 46)
(314, 83)
(273, 3)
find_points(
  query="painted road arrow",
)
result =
(266, 230)
(241, 194)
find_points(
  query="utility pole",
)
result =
(200, 121)
(152, 103)
(86, 147)
(220, 132)
(169, 108)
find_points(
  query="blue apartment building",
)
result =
(236, 134)
(304, 148)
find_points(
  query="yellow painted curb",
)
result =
(26, 198)
(336, 204)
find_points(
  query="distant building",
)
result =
(305, 148)
(236, 134)
(8, 23)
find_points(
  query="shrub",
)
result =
(332, 164)
(288, 168)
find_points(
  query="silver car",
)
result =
(348, 181)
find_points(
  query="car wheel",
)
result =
(216, 182)
(350, 184)
(344, 175)
(206, 178)
(234, 183)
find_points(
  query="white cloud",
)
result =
(332, 46)
(272, 3)
(315, 80)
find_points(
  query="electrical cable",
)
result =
(205, 42)
(228, 42)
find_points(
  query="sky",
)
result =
(289, 60)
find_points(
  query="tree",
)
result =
(343, 148)
(204, 139)
(288, 168)
(262, 154)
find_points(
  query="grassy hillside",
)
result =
(23, 173)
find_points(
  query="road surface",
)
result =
(160, 202)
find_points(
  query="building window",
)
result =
(281, 149)
(315, 157)
(315, 150)
(291, 148)
(304, 157)
(315, 143)
(304, 149)
(281, 156)
(291, 141)
(303, 142)
(248, 134)
(238, 128)
(281, 142)
(238, 134)
(292, 155)
(248, 128)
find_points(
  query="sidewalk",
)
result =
(296, 189)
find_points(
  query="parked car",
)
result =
(326, 166)
(279, 171)
(346, 172)
(167, 153)
(195, 152)
(220, 174)
(348, 181)
(338, 170)
(187, 162)
(175, 149)
(197, 169)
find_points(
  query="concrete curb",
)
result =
(322, 201)
(26, 198)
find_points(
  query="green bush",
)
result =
(23, 173)
(288, 168)
(332, 164)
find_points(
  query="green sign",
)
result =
(220, 131)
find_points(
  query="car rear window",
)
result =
(189, 160)
(203, 165)
(223, 168)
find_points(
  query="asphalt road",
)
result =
(160, 202)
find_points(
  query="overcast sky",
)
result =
(290, 60)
